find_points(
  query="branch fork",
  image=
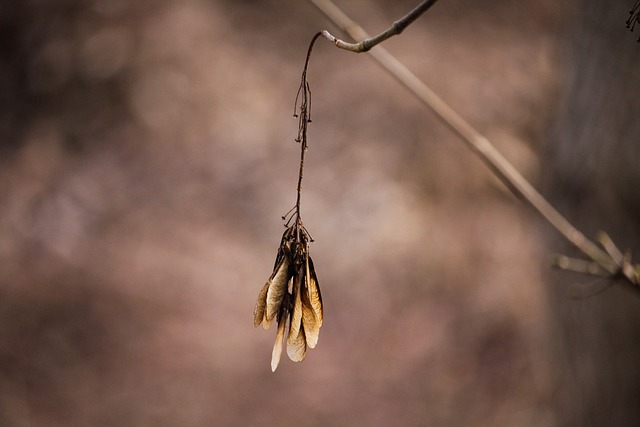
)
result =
(621, 268)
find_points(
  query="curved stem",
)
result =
(365, 45)
(304, 117)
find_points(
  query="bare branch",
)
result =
(608, 260)
(365, 45)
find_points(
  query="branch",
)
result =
(364, 46)
(612, 264)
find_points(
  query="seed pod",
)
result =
(296, 313)
(277, 288)
(297, 346)
(310, 324)
(315, 297)
(277, 346)
(261, 304)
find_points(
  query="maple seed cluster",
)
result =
(292, 297)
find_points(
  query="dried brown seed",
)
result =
(315, 297)
(310, 324)
(297, 346)
(278, 284)
(277, 346)
(296, 314)
(261, 304)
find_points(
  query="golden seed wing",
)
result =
(315, 297)
(310, 324)
(266, 323)
(277, 288)
(261, 304)
(296, 315)
(297, 346)
(277, 346)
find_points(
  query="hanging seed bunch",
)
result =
(291, 296)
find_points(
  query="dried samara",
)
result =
(292, 297)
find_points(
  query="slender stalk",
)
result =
(304, 118)
(474, 139)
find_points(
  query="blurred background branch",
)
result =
(617, 267)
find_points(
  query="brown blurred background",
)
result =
(147, 154)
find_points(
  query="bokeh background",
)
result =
(147, 154)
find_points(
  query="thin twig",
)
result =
(365, 45)
(304, 118)
(474, 139)
(577, 265)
